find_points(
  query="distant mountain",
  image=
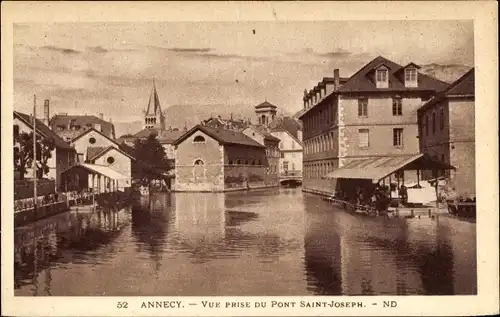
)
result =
(446, 73)
(122, 128)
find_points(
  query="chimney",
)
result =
(101, 116)
(336, 78)
(305, 98)
(299, 135)
(46, 112)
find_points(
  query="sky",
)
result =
(109, 67)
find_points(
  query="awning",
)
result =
(98, 169)
(379, 168)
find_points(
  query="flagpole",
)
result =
(34, 153)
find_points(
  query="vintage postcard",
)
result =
(263, 158)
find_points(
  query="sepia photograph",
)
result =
(244, 158)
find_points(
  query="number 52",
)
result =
(122, 305)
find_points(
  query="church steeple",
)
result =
(154, 118)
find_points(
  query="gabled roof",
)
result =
(84, 121)
(361, 81)
(154, 107)
(43, 130)
(291, 135)
(287, 124)
(462, 87)
(267, 136)
(221, 135)
(109, 148)
(88, 131)
(265, 104)
(92, 151)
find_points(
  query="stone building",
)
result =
(93, 147)
(212, 160)
(447, 132)
(368, 115)
(272, 147)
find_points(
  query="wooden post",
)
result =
(436, 189)
(418, 177)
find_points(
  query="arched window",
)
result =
(246, 162)
(199, 139)
(263, 119)
(199, 162)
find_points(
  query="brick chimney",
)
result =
(46, 112)
(336, 78)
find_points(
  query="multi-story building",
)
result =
(447, 132)
(291, 150)
(69, 127)
(213, 160)
(369, 115)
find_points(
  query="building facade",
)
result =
(447, 132)
(62, 157)
(272, 148)
(371, 114)
(96, 148)
(290, 162)
(213, 160)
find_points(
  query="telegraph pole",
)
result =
(34, 154)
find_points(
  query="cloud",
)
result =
(60, 49)
(190, 50)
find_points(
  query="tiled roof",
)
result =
(85, 122)
(229, 124)
(265, 104)
(464, 86)
(222, 136)
(92, 151)
(363, 81)
(163, 136)
(286, 123)
(154, 107)
(267, 136)
(43, 129)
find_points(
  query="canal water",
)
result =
(272, 242)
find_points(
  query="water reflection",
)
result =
(274, 242)
(347, 254)
(65, 239)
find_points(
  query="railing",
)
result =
(291, 174)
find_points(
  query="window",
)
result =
(198, 162)
(246, 162)
(230, 162)
(397, 137)
(199, 139)
(363, 107)
(433, 122)
(92, 140)
(282, 155)
(16, 130)
(110, 160)
(442, 157)
(364, 137)
(285, 165)
(382, 78)
(410, 77)
(397, 107)
(441, 119)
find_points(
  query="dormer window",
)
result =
(411, 79)
(382, 78)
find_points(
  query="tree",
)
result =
(23, 153)
(151, 158)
